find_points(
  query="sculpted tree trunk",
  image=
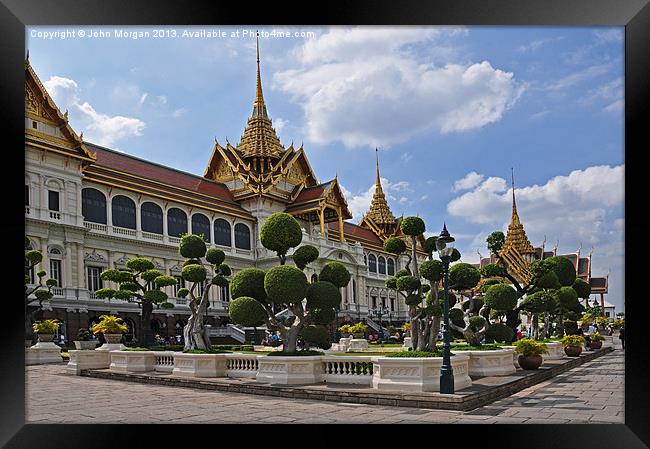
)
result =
(415, 327)
(145, 322)
(194, 332)
(472, 338)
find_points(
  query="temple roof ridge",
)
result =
(516, 235)
(380, 212)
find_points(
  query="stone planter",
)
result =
(45, 351)
(45, 338)
(200, 365)
(407, 343)
(499, 362)
(530, 362)
(85, 345)
(358, 336)
(357, 345)
(85, 359)
(343, 345)
(132, 361)
(573, 351)
(515, 356)
(418, 374)
(288, 370)
(555, 351)
(112, 343)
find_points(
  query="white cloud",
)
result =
(180, 112)
(610, 35)
(142, 98)
(98, 128)
(539, 115)
(537, 44)
(580, 76)
(471, 180)
(279, 123)
(162, 99)
(368, 87)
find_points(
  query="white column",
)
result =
(67, 267)
(109, 213)
(81, 281)
(138, 225)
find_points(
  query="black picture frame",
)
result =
(633, 14)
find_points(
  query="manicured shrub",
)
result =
(285, 284)
(248, 282)
(412, 226)
(164, 281)
(246, 311)
(34, 256)
(323, 294)
(430, 244)
(316, 336)
(51, 283)
(43, 295)
(182, 292)
(413, 300)
(478, 303)
(402, 272)
(572, 340)
(501, 297)
(322, 316)
(441, 297)
(548, 280)
(415, 354)
(431, 270)
(455, 255)
(499, 332)
(487, 283)
(305, 255)
(192, 246)
(408, 283)
(155, 296)
(119, 276)
(336, 273)
(140, 264)
(192, 262)
(582, 288)
(538, 302)
(564, 270)
(463, 276)
(391, 283)
(150, 275)
(394, 245)
(215, 256)
(495, 241)
(194, 273)
(46, 326)
(220, 280)
(568, 299)
(224, 269)
(476, 323)
(492, 270)
(109, 324)
(570, 327)
(280, 232)
(528, 347)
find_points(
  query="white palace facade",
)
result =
(89, 208)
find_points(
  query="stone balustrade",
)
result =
(347, 370)
(242, 365)
(164, 361)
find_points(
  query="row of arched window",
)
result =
(380, 264)
(123, 212)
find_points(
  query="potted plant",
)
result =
(345, 330)
(596, 341)
(111, 326)
(83, 340)
(572, 345)
(530, 353)
(358, 330)
(46, 329)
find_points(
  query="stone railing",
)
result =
(228, 331)
(152, 236)
(125, 231)
(347, 370)
(242, 365)
(164, 361)
(57, 291)
(95, 226)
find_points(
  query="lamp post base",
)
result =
(446, 380)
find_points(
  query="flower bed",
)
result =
(418, 374)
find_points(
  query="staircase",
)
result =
(376, 327)
(230, 331)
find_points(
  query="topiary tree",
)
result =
(41, 292)
(256, 292)
(140, 283)
(280, 232)
(583, 290)
(539, 302)
(567, 302)
(463, 279)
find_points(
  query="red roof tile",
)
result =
(310, 193)
(356, 232)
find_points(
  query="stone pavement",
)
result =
(590, 393)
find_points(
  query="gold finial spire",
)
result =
(259, 138)
(379, 210)
(516, 236)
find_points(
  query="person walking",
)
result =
(621, 336)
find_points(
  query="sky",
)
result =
(452, 110)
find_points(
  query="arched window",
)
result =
(354, 291)
(151, 218)
(176, 222)
(222, 232)
(242, 236)
(372, 263)
(314, 278)
(123, 212)
(93, 205)
(382, 265)
(391, 267)
(201, 225)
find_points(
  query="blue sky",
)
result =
(451, 110)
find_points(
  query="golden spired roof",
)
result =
(516, 236)
(259, 138)
(379, 211)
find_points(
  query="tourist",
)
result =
(519, 334)
(610, 330)
(579, 331)
(621, 336)
(591, 329)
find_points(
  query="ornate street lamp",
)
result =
(445, 247)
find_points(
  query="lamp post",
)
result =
(445, 247)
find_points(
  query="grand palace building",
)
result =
(90, 208)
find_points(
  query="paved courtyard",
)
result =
(590, 393)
